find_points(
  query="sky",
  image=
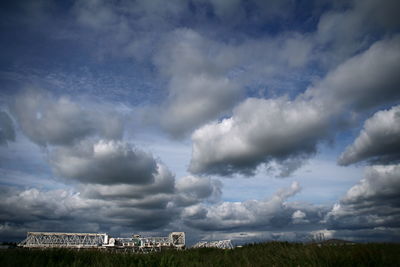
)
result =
(249, 120)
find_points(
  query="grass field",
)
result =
(264, 254)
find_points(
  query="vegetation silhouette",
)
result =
(261, 254)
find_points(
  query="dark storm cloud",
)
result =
(60, 121)
(7, 132)
(372, 203)
(379, 140)
(104, 162)
(191, 189)
(32, 205)
(103, 208)
(162, 195)
(152, 196)
(65, 210)
(164, 183)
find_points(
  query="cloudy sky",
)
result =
(250, 120)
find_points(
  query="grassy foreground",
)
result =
(265, 254)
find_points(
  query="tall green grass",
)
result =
(265, 254)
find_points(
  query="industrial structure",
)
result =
(136, 243)
(223, 244)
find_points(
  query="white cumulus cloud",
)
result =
(379, 140)
(259, 131)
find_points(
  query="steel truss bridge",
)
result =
(175, 240)
(222, 244)
(79, 240)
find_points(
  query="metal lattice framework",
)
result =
(223, 244)
(72, 240)
(175, 240)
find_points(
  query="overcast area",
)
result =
(245, 120)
